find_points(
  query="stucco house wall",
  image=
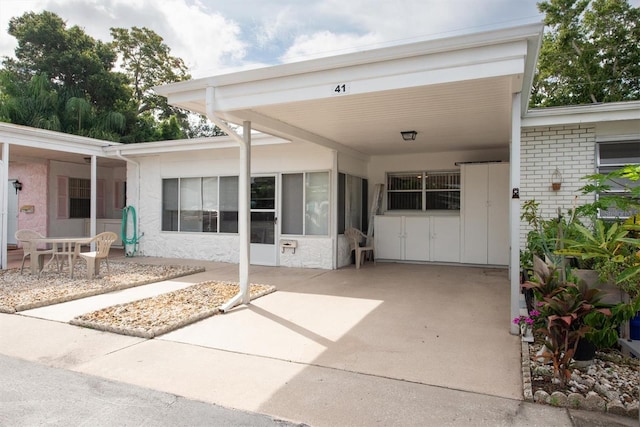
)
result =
(312, 251)
(33, 175)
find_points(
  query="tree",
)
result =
(147, 61)
(590, 53)
(62, 79)
(69, 57)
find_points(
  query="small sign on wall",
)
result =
(27, 209)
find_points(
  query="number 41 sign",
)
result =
(340, 89)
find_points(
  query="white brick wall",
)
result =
(571, 149)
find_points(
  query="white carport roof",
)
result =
(457, 93)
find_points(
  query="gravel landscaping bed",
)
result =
(25, 291)
(610, 384)
(150, 317)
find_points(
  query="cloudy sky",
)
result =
(215, 36)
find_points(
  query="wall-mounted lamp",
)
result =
(408, 135)
(556, 180)
(17, 185)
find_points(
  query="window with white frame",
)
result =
(305, 203)
(203, 204)
(423, 191)
(612, 156)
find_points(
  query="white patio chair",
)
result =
(29, 248)
(103, 243)
(355, 238)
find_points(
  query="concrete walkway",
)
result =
(391, 344)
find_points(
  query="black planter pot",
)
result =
(585, 350)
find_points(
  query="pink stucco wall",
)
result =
(34, 192)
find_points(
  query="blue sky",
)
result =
(216, 36)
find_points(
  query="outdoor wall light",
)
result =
(17, 185)
(556, 180)
(408, 135)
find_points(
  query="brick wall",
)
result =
(571, 149)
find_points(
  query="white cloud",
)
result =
(207, 42)
(325, 43)
(213, 36)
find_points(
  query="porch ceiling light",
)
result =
(408, 135)
(556, 180)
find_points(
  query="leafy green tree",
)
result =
(590, 53)
(34, 103)
(69, 57)
(147, 62)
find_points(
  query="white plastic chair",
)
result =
(103, 243)
(29, 248)
(355, 237)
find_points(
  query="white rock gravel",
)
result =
(25, 291)
(150, 317)
(611, 383)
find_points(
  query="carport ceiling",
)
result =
(462, 116)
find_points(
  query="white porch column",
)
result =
(514, 210)
(94, 198)
(4, 219)
(244, 199)
(244, 211)
(333, 219)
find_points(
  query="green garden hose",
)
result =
(126, 240)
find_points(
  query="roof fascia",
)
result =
(592, 113)
(467, 41)
(183, 145)
(497, 45)
(51, 140)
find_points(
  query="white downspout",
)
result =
(514, 164)
(244, 198)
(137, 198)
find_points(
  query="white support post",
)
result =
(94, 198)
(244, 211)
(514, 211)
(244, 199)
(334, 202)
(4, 217)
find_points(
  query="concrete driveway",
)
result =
(438, 325)
(325, 343)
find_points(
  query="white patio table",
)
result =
(62, 246)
